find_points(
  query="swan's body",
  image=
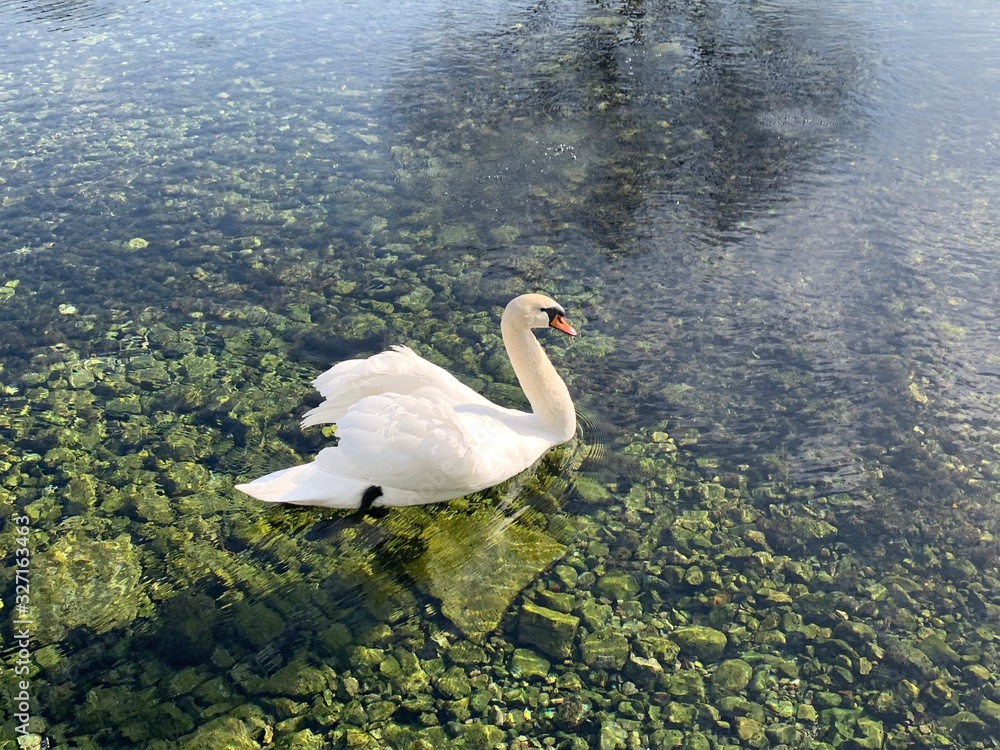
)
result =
(410, 433)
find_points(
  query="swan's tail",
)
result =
(309, 485)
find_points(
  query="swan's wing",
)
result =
(400, 371)
(419, 443)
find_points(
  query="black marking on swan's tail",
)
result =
(370, 495)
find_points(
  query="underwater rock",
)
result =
(657, 647)
(731, 676)
(186, 634)
(612, 736)
(297, 679)
(225, 732)
(965, 724)
(938, 651)
(990, 710)
(907, 657)
(872, 734)
(685, 685)
(643, 671)
(796, 528)
(550, 631)
(750, 731)
(475, 564)
(617, 586)
(87, 582)
(526, 663)
(454, 683)
(807, 712)
(257, 623)
(700, 642)
(604, 649)
(590, 491)
(480, 736)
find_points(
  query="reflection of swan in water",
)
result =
(411, 433)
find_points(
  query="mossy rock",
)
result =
(966, 725)
(550, 631)
(297, 679)
(750, 731)
(83, 582)
(481, 736)
(604, 649)
(731, 676)
(257, 623)
(454, 683)
(700, 642)
(227, 732)
(617, 586)
(526, 663)
(477, 563)
(938, 651)
(685, 685)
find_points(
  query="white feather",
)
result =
(413, 431)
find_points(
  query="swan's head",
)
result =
(537, 311)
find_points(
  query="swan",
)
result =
(410, 433)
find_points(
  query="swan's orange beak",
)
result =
(560, 324)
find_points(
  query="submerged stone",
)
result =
(480, 736)
(550, 631)
(604, 649)
(475, 564)
(731, 676)
(227, 732)
(965, 724)
(617, 586)
(297, 679)
(685, 685)
(527, 663)
(700, 642)
(86, 582)
(938, 651)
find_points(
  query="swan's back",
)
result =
(399, 370)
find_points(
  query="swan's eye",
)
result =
(553, 312)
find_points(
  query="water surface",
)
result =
(774, 226)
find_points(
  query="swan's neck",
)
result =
(546, 391)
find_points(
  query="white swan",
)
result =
(410, 433)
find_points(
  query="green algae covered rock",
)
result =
(990, 710)
(454, 683)
(700, 642)
(551, 632)
(938, 651)
(84, 582)
(750, 731)
(527, 663)
(476, 563)
(226, 732)
(685, 685)
(257, 623)
(604, 649)
(297, 679)
(731, 676)
(481, 736)
(617, 586)
(965, 724)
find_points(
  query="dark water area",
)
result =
(773, 224)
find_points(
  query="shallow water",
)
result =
(775, 227)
